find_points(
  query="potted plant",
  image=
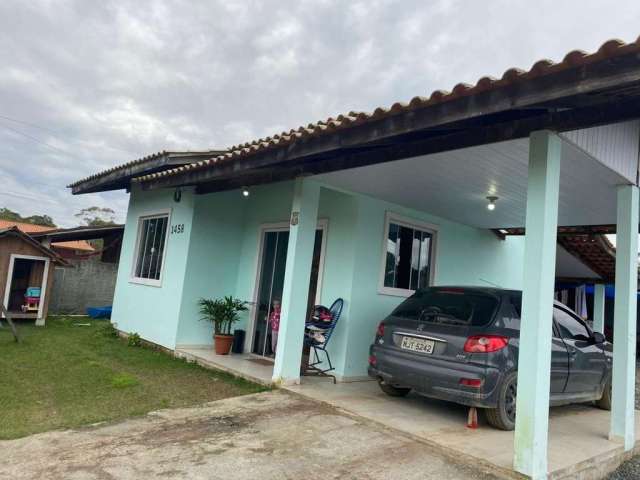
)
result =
(223, 313)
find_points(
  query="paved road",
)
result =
(267, 435)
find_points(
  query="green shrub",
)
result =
(134, 340)
(108, 330)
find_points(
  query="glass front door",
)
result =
(271, 283)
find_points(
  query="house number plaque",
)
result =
(179, 228)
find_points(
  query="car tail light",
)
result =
(471, 382)
(373, 360)
(485, 343)
(380, 330)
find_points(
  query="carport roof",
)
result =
(581, 91)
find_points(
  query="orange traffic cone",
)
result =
(472, 419)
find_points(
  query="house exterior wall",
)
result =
(218, 255)
(152, 311)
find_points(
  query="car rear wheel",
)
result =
(391, 390)
(504, 416)
(605, 401)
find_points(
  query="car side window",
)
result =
(570, 327)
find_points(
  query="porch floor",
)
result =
(241, 365)
(578, 443)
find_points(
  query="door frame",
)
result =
(43, 286)
(323, 224)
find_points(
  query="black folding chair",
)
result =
(321, 346)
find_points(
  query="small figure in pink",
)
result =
(274, 324)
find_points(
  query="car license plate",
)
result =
(421, 345)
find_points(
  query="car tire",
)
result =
(393, 391)
(503, 416)
(605, 401)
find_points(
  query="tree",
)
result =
(97, 216)
(45, 220)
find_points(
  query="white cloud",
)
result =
(98, 84)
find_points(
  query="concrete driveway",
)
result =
(267, 435)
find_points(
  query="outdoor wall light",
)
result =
(491, 206)
(245, 192)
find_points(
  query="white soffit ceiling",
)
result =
(568, 266)
(454, 185)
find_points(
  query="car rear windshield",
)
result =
(452, 307)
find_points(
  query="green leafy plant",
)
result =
(108, 330)
(222, 312)
(134, 340)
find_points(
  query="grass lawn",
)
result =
(64, 375)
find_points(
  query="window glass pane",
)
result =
(153, 232)
(391, 256)
(408, 258)
(425, 260)
(570, 327)
(162, 227)
(403, 260)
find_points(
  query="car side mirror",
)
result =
(598, 338)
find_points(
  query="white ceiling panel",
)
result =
(455, 184)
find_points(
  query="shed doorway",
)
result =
(26, 286)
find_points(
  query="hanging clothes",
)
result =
(564, 297)
(581, 301)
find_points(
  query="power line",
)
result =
(37, 140)
(79, 142)
(11, 119)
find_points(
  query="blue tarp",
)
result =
(99, 312)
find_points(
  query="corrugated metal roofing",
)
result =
(576, 58)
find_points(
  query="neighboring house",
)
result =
(89, 276)
(66, 249)
(26, 265)
(371, 207)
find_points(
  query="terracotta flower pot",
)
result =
(223, 344)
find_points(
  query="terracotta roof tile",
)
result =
(31, 228)
(542, 67)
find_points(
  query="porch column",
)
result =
(534, 361)
(304, 219)
(624, 318)
(598, 307)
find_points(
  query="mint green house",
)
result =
(371, 207)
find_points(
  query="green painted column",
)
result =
(598, 307)
(304, 219)
(534, 361)
(624, 317)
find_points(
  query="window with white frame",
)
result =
(150, 247)
(408, 256)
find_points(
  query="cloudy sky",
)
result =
(88, 85)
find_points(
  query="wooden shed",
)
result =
(26, 274)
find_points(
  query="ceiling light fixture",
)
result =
(491, 206)
(245, 192)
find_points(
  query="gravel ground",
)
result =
(630, 469)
